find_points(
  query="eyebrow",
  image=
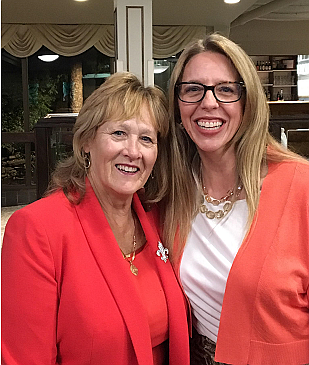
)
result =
(144, 129)
(199, 82)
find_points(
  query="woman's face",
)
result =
(122, 155)
(209, 123)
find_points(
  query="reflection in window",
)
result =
(163, 69)
(60, 86)
(303, 77)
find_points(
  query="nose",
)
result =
(209, 101)
(132, 148)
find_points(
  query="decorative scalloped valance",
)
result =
(168, 41)
(66, 40)
(23, 40)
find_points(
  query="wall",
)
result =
(262, 37)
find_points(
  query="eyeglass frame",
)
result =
(212, 88)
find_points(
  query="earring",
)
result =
(87, 162)
(151, 175)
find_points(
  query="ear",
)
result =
(86, 147)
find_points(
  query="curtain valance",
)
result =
(23, 40)
(168, 41)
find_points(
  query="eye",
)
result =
(118, 133)
(227, 88)
(146, 139)
(192, 88)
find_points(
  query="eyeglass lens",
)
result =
(225, 92)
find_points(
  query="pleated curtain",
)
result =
(23, 40)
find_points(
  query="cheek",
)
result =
(186, 111)
(238, 115)
(152, 157)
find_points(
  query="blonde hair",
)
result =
(251, 139)
(119, 98)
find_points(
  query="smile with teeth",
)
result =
(125, 168)
(209, 125)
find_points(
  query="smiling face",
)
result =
(122, 155)
(209, 123)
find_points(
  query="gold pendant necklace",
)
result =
(131, 257)
(226, 207)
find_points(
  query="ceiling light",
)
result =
(80, 0)
(160, 66)
(48, 57)
(160, 69)
(231, 1)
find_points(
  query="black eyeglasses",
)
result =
(194, 92)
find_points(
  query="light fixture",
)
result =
(160, 66)
(48, 57)
(231, 1)
(80, 1)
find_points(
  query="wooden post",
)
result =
(77, 87)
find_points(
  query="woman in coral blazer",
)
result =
(245, 263)
(85, 277)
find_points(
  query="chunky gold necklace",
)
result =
(131, 257)
(226, 207)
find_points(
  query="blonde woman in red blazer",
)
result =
(86, 278)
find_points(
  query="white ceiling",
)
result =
(259, 26)
(165, 12)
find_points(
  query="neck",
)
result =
(119, 214)
(219, 173)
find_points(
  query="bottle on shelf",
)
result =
(267, 93)
(280, 95)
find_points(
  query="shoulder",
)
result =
(294, 175)
(52, 209)
(290, 168)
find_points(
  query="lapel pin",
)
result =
(162, 252)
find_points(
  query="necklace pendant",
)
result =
(203, 208)
(219, 214)
(210, 214)
(134, 269)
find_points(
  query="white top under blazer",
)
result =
(207, 259)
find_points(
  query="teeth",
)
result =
(126, 168)
(209, 124)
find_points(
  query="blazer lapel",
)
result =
(118, 277)
(178, 325)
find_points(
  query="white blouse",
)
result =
(208, 256)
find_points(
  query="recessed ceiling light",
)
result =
(80, 1)
(231, 1)
(48, 57)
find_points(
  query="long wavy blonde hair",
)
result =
(251, 140)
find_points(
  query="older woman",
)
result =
(85, 276)
(245, 265)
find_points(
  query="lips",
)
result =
(127, 168)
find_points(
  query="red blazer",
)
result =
(68, 296)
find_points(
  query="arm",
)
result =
(29, 293)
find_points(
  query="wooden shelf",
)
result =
(280, 86)
(283, 75)
(284, 70)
